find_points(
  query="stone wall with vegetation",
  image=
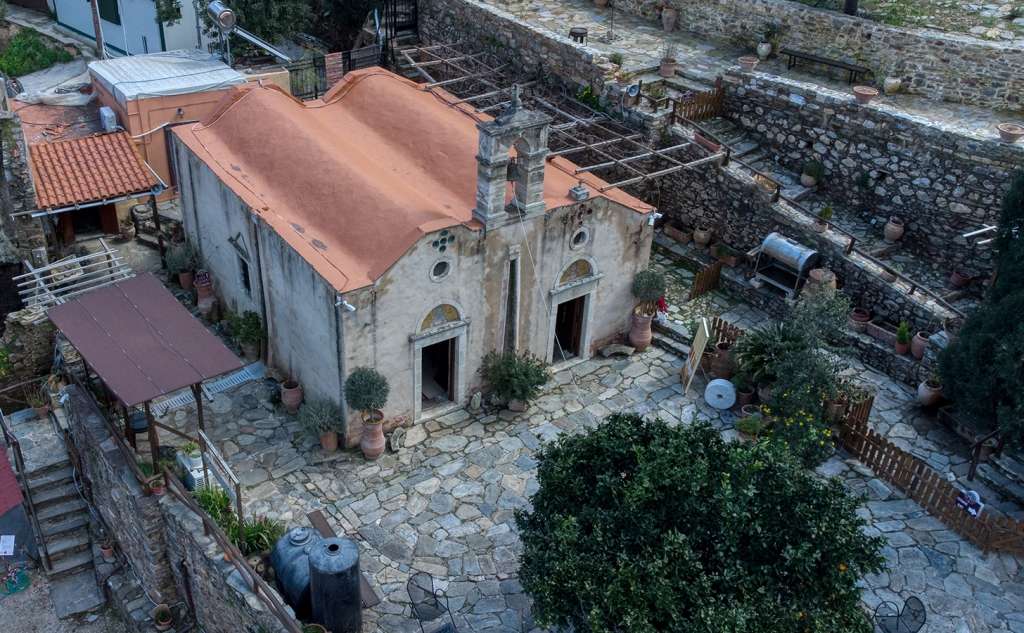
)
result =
(741, 214)
(29, 344)
(17, 193)
(933, 63)
(133, 517)
(880, 161)
(485, 27)
(220, 598)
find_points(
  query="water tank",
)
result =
(108, 119)
(290, 560)
(334, 585)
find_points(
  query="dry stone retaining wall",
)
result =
(880, 162)
(946, 66)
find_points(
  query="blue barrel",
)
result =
(290, 560)
(334, 585)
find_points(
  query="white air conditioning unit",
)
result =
(108, 119)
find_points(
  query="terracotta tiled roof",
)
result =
(88, 169)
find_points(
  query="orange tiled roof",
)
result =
(88, 169)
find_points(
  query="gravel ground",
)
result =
(31, 611)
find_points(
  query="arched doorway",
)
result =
(439, 349)
(570, 312)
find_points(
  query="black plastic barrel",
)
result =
(334, 585)
(290, 560)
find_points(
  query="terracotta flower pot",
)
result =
(901, 348)
(864, 94)
(859, 318)
(918, 345)
(185, 279)
(702, 236)
(959, 279)
(203, 290)
(668, 19)
(893, 229)
(107, 552)
(1010, 132)
(680, 235)
(640, 331)
(929, 393)
(722, 365)
(372, 442)
(291, 396)
(329, 441)
(667, 68)
(748, 410)
(745, 398)
(748, 62)
(156, 488)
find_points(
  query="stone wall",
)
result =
(17, 193)
(939, 65)
(741, 214)
(489, 28)
(880, 162)
(220, 599)
(132, 517)
(29, 345)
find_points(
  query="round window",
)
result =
(440, 270)
(579, 239)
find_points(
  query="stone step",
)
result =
(1000, 484)
(65, 566)
(1009, 466)
(53, 529)
(51, 478)
(75, 594)
(53, 495)
(67, 544)
(671, 345)
(673, 331)
(61, 511)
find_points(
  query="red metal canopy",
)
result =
(140, 340)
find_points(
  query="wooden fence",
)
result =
(699, 106)
(991, 531)
(706, 280)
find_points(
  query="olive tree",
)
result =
(641, 527)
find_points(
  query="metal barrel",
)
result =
(290, 560)
(334, 585)
(789, 253)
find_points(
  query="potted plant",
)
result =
(821, 222)
(894, 229)
(163, 619)
(648, 287)
(617, 59)
(929, 391)
(291, 395)
(744, 389)
(859, 319)
(748, 62)
(919, 344)
(192, 454)
(726, 254)
(902, 344)
(514, 379)
(960, 278)
(1010, 132)
(181, 263)
(864, 94)
(321, 417)
(764, 47)
(247, 329)
(677, 232)
(35, 399)
(669, 15)
(701, 236)
(812, 173)
(155, 486)
(750, 426)
(366, 391)
(126, 230)
(668, 61)
(107, 550)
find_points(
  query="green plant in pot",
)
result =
(902, 338)
(366, 390)
(751, 425)
(181, 262)
(192, 453)
(514, 379)
(648, 287)
(821, 224)
(247, 329)
(163, 619)
(322, 418)
(812, 173)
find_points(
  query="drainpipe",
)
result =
(339, 337)
(264, 295)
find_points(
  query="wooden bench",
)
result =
(795, 57)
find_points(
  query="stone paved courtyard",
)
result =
(444, 502)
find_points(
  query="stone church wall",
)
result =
(939, 65)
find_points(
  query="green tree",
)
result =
(272, 20)
(642, 527)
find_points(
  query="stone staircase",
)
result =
(671, 337)
(1005, 476)
(62, 514)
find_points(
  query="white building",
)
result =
(130, 27)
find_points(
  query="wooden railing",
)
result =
(990, 530)
(706, 280)
(26, 491)
(699, 106)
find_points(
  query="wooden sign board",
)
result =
(700, 343)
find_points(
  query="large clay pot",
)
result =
(893, 229)
(372, 442)
(864, 94)
(892, 85)
(640, 331)
(859, 318)
(929, 393)
(959, 279)
(744, 397)
(701, 236)
(1010, 132)
(668, 19)
(291, 396)
(918, 345)
(185, 279)
(748, 62)
(764, 49)
(329, 441)
(820, 281)
(667, 67)
(722, 366)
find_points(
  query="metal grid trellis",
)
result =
(594, 141)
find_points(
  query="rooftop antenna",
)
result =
(227, 23)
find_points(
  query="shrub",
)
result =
(638, 526)
(5, 361)
(648, 287)
(825, 214)
(27, 52)
(615, 58)
(514, 377)
(804, 435)
(320, 416)
(190, 448)
(903, 333)
(246, 327)
(180, 259)
(751, 425)
(759, 352)
(366, 389)
(255, 535)
(215, 502)
(815, 169)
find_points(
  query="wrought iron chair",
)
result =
(427, 602)
(910, 619)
